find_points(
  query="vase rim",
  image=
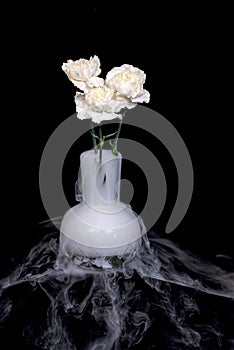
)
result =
(105, 152)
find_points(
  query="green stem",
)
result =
(102, 139)
(101, 143)
(110, 135)
(115, 145)
(94, 138)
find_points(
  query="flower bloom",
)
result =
(83, 73)
(104, 100)
(128, 81)
(101, 103)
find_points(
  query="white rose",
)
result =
(83, 73)
(128, 81)
(101, 103)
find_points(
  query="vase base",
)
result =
(83, 254)
(95, 263)
(89, 233)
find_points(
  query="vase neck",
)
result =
(99, 181)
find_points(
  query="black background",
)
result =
(186, 54)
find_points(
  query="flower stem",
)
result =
(101, 143)
(110, 135)
(102, 140)
(94, 138)
(115, 145)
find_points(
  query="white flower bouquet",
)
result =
(105, 99)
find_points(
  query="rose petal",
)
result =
(83, 115)
(127, 80)
(112, 73)
(98, 117)
(95, 82)
(82, 70)
(96, 60)
(80, 102)
(131, 105)
(122, 103)
(143, 96)
(134, 70)
(80, 85)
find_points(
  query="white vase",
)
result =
(101, 225)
